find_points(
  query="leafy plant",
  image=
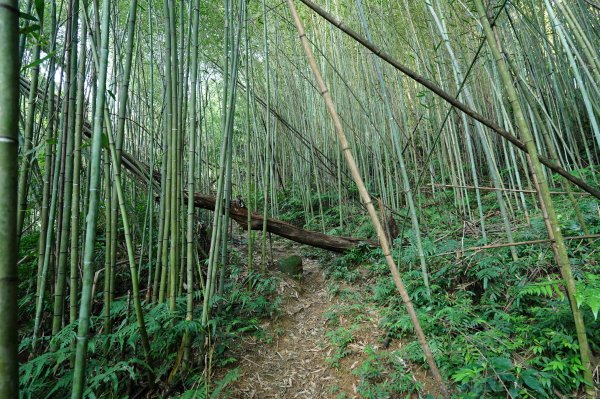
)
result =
(384, 375)
(588, 293)
(340, 338)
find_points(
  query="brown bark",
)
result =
(284, 229)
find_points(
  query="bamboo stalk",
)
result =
(92, 214)
(449, 98)
(187, 340)
(507, 189)
(9, 128)
(538, 177)
(504, 245)
(367, 200)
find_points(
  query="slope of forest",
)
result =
(291, 199)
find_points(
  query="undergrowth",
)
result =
(498, 327)
(116, 367)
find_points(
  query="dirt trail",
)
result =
(293, 364)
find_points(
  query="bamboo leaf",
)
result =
(28, 17)
(29, 29)
(38, 61)
(39, 8)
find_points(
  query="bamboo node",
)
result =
(10, 8)
(9, 140)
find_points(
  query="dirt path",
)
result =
(293, 364)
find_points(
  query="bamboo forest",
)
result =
(345, 199)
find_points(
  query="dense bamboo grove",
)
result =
(462, 136)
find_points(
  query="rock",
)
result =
(291, 265)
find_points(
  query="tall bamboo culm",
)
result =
(9, 119)
(92, 212)
(550, 218)
(366, 199)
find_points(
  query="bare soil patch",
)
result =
(293, 365)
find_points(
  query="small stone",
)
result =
(291, 265)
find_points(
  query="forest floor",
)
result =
(309, 354)
(293, 365)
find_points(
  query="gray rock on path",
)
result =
(291, 265)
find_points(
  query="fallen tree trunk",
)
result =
(284, 229)
(287, 230)
(240, 215)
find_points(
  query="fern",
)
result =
(230, 377)
(104, 376)
(201, 391)
(547, 288)
(588, 293)
(36, 375)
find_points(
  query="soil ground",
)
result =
(294, 364)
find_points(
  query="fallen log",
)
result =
(284, 229)
(240, 215)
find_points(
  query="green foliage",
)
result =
(346, 267)
(498, 376)
(340, 338)
(384, 375)
(588, 293)
(203, 392)
(292, 210)
(498, 327)
(547, 288)
(254, 295)
(249, 298)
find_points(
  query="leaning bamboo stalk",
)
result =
(449, 98)
(504, 245)
(512, 190)
(366, 198)
(547, 205)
